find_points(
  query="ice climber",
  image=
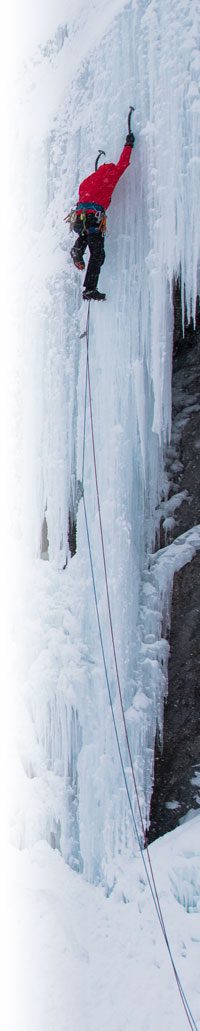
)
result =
(89, 218)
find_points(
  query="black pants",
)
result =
(95, 242)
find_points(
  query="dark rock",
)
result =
(174, 793)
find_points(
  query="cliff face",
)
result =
(177, 766)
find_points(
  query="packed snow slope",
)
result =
(85, 64)
(91, 961)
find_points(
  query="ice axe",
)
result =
(131, 109)
(97, 159)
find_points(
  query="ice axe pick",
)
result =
(131, 109)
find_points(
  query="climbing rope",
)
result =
(149, 875)
(85, 401)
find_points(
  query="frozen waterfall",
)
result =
(73, 95)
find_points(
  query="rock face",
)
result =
(177, 765)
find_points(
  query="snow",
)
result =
(92, 960)
(76, 70)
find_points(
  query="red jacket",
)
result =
(98, 187)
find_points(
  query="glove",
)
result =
(130, 139)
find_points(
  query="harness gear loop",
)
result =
(103, 225)
(81, 211)
(71, 218)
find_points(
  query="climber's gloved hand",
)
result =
(130, 139)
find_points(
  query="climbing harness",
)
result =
(77, 218)
(149, 872)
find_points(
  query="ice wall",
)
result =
(77, 89)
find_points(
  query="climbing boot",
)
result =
(80, 264)
(93, 295)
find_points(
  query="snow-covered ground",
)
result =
(91, 961)
(77, 68)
